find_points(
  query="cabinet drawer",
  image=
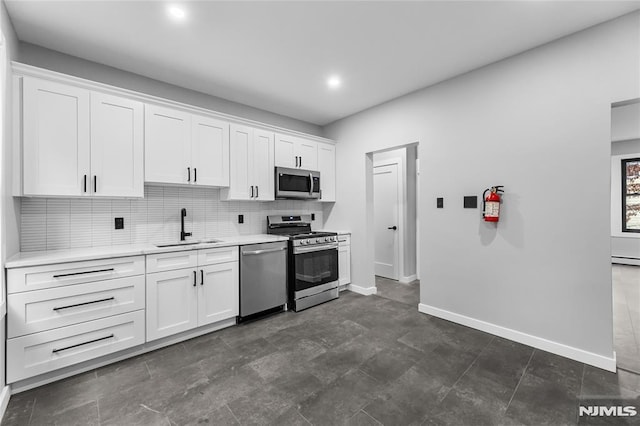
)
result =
(344, 240)
(170, 261)
(217, 255)
(61, 274)
(39, 353)
(35, 311)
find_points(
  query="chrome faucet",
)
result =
(183, 214)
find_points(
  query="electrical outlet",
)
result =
(470, 202)
(119, 222)
(240, 218)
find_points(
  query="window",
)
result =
(631, 195)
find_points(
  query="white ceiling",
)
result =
(277, 55)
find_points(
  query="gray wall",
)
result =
(629, 244)
(534, 123)
(56, 61)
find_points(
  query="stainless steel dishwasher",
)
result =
(263, 278)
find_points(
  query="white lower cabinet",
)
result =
(344, 259)
(39, 353)
(183, 299)
(172, 303)
(218, 293)
(63, 314)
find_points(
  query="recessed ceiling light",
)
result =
(334, 82)
(176, 12)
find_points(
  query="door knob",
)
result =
(393, 227)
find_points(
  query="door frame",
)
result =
(401, 211)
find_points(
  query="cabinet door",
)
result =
(218, 292)
(55, 138)
(327, 168)
(167, 146)
(344, 265)
(307, 151)
(261, 165)
(210, 151)
(116, 147)
(239, 172)
(285, 151)
(172, 305)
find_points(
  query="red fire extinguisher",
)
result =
(491, 203)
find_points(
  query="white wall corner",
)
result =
(5, 394)
(408, 279)
(596, 360)
(366, 291)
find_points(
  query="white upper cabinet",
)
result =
(296, 153)
(80, 143)
(56, 155)
(182, 148)
(210, 151)
(251, 165)
(240, 176)
(286, 155)
(263, 165)
(117, 147)
(327, 169)
(167, 145)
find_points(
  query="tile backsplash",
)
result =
(54, 223)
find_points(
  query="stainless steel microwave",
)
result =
(297, 183)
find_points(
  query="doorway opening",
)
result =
(392, 194)
(625, 232)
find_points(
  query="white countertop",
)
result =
(36, 258)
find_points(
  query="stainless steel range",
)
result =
(313, 261)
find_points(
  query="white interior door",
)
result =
(386, 204)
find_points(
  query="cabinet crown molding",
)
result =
(21, 70)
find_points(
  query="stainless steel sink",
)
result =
(187, 243)
(209, 241)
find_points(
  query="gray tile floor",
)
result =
(354, 361)
(626, 316)
(404, 293)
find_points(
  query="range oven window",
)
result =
(315, 268)
(297, 183)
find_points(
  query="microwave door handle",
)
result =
(310, 185)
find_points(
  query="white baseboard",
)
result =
(408, 279)
(5, 394)
(576, 354)
(625, 260)
(367, 291)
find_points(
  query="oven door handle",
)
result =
(299, 250)
(244, 253)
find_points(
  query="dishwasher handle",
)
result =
(254, 252)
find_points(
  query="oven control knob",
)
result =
(303, 242)
(328, 239)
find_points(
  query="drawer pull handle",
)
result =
(85, 343)
(85, 303)
(82, 273)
